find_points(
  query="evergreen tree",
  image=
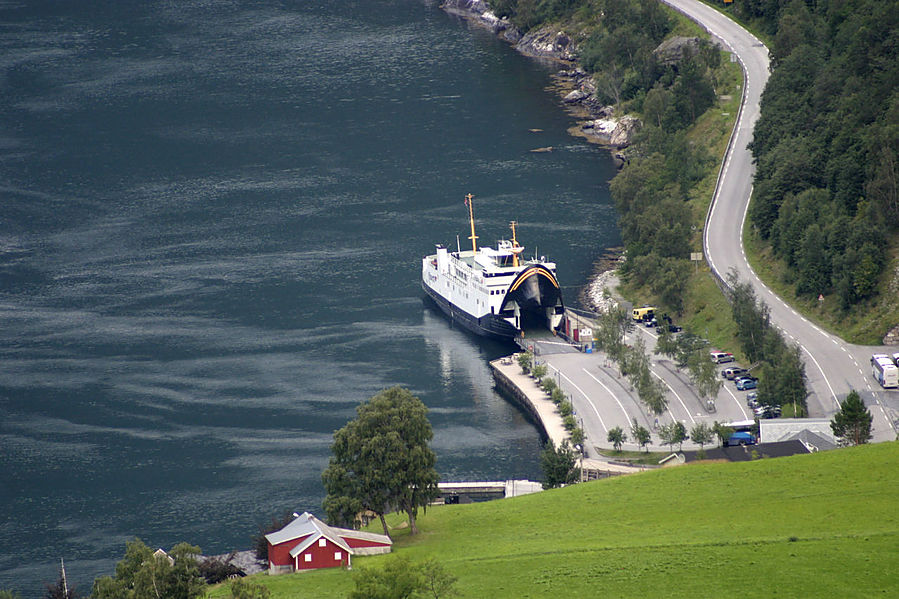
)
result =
(852, 424)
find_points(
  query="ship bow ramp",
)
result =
(535, 291)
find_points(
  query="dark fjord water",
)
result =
(211, 222)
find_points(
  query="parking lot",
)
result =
(603, 398)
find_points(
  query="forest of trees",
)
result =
(650, 194)
(826, 145)
(826, 192)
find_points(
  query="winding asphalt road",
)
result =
(833, 366)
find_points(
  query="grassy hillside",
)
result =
(822, 525)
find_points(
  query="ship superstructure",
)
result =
(493, 291)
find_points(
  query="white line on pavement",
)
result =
(581, 391)
(677, 396)
(737, 401)
(615, 397)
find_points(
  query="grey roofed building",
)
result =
(814, 433)
(746, 453)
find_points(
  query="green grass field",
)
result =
(821, 525)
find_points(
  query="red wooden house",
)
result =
(308, 543)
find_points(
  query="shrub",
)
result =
(548, 384)
(215, 570)
(557, 396)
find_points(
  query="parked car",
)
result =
(767, 411)
(721, 357)
(734, 372)
(747, 382)
(752, 402)
(651, 323)
(673, 328)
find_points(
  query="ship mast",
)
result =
(470, 204)
(516, 249)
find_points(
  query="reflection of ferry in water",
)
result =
(493, 292)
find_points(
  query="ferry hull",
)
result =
(486, 326)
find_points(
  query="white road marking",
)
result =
(595, 411)
(737, 401)
(615, 397)
(677, 396)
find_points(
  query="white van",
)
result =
(720, 357)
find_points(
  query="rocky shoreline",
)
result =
(598, 123)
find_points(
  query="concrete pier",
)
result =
(528, 394)
(467, 492)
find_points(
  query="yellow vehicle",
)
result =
(643, 313)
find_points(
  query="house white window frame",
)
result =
(338, 556)
(307, 557)
(322, 542)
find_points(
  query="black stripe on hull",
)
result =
(490, 325)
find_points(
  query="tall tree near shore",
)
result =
(382, 461)
(143, 574)
(559, 465)
(852, 424)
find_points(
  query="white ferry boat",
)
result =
(493, 292)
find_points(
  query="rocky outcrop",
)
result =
(478, 12)
(547, 42)
(675, 49)
(624, 131)
(618, 133)
(583, 93)
(892, 337)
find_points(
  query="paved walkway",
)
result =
(539, 401)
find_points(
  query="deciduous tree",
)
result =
(526, 361)
(403, 579)
(617, 437)
(141, 574)
(559, 465)
(640, 434)
(701, 434)
(399, 579)
(722, 432)
(382, 460)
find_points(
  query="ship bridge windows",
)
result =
(504, 260)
